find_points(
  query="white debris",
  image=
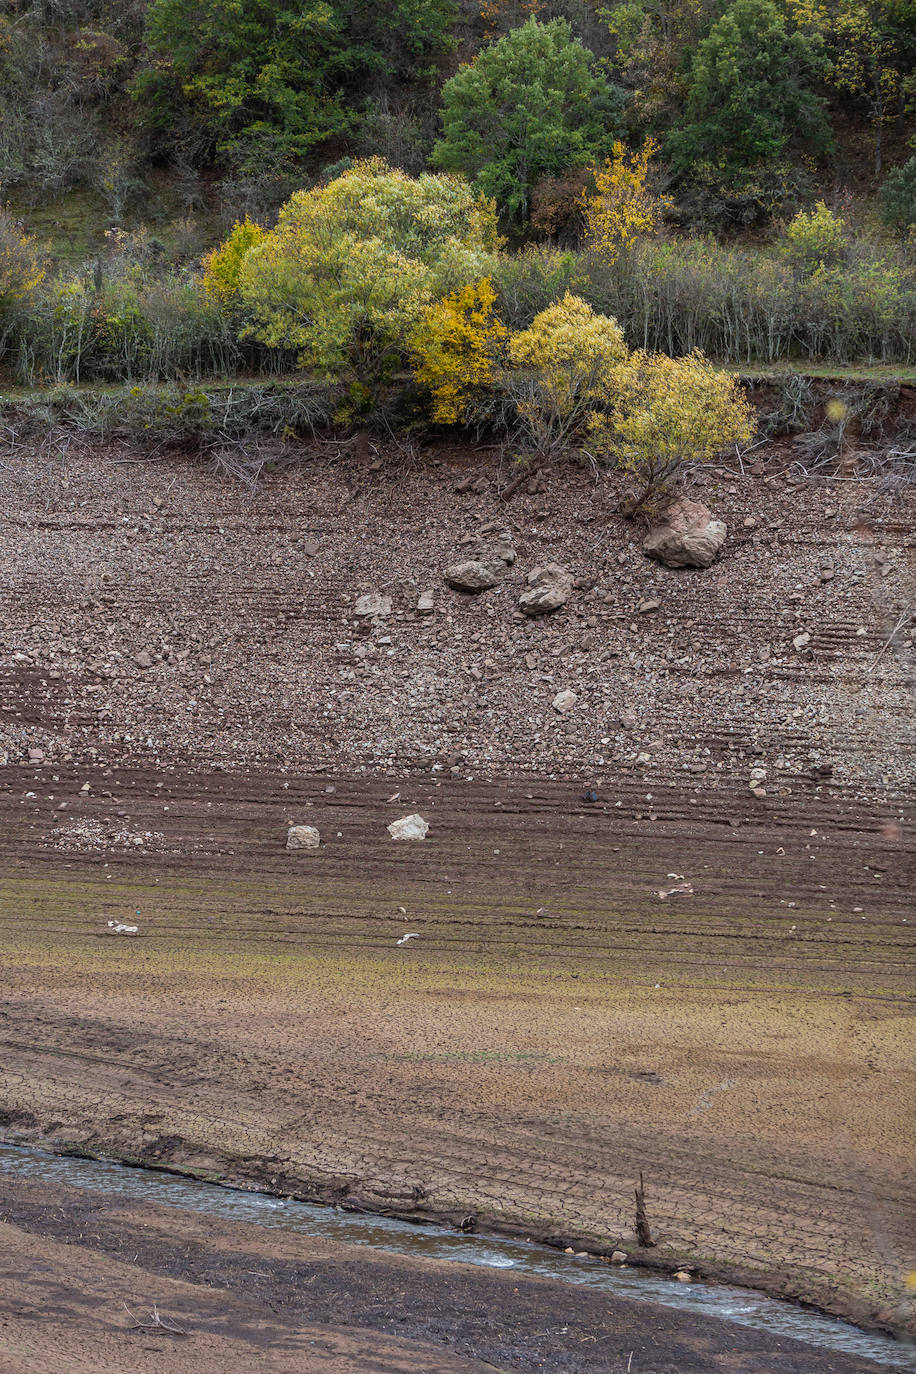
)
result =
(678, 890)
(411, 935)
(118, 928)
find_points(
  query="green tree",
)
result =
(529, 106)
(870, 54)
(268, 80)
(750, 98)
(898, 198)
(351, 267)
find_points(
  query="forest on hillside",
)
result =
(756, 106)
(555, 221)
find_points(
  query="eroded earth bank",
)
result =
(706, 983)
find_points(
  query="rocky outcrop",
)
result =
(549, 587)
(687, 537)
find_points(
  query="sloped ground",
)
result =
(242, 606)
(558, 1025)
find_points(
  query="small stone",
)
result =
(548, 589)
(564, 701)
(372, 604)
(302, 837)
(475, 575)
(683, 1276)
(409, 828)
(651, 605)
(143, 659)
(750, 523)
(618, 1257)
(827, 574)
(801, 641)
(426, 603)
(36, 755)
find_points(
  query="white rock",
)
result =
(801, 641)
(409, 828)
(564, 701)
(426, 604)
(373, 603)
(302, 837)
(618, 1257)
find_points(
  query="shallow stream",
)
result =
(740, 1305)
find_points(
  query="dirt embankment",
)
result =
(182, 677)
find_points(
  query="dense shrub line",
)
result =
(741, 306)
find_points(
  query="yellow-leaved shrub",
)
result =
(667, 412)
(623, 207)
(565, 362)
(222, 265)
(456, 349)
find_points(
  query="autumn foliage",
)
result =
(624, 207)
(456, 350)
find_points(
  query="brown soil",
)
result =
(557, 1026)
(81, 1274)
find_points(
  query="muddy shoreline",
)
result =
(183, 676)
(217, 1281)
(347, 1199)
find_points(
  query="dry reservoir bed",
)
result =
(555, 1028)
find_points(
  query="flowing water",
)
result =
(740, 1305)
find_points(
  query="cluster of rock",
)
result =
(687, 537)
(548, 587)
(413, 827)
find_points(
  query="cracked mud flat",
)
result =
(748, 1046)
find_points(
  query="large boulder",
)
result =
(475, 574)
(687, 537)
(548, 589)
